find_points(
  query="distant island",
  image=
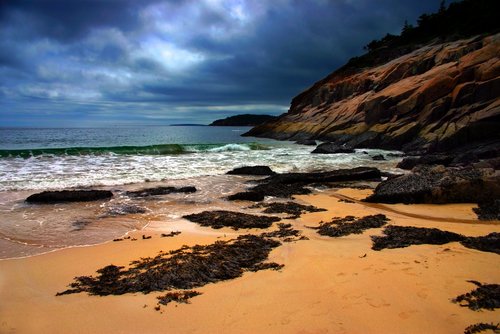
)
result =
(243, 120)
(187, 124)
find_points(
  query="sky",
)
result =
(86, 63)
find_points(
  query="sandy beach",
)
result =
(327, 285)
(250, 167)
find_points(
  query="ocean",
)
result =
(123, 159)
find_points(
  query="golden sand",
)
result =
(328, 285)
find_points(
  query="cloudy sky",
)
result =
(139, 62)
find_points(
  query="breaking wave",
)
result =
(163, 149)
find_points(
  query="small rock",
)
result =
(378, 157)
(331, 148)
(430, 159)
(50, 197)
(251, 170)
(160, 191)
(308, 142)
(247, 196)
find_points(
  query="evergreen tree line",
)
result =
(458, 20)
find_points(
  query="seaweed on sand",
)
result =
(481, 327)
(286, 233)
(340, 227)
(488, 210)
(404, 236)
(178, 297)
(485, 296)
(488, 243)
(171, 234)
(184, 268)
(236, 220)
(295, 209)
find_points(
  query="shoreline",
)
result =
(325, 286)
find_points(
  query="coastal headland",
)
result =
(406, 241)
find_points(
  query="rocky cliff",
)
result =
(438, 97)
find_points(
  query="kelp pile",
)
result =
(485, 296)
(340, 227)
(292, 208)
(184, 268)
(404, 236)
(236, 220)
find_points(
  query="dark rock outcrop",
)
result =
(289, 184)
(243, 120)
(493, 163)
(435, 98)
(236, 220)
(252, 170)
(48, 197)
(252, 196)
(332, 148)
(431, 159)
(307, 142)
(485, 155)
(378, 157)
(339, 175)
(439, 185)
(160, 191)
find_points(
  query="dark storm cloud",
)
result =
(165, 61)
(69, 19)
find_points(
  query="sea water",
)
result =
(122, 159)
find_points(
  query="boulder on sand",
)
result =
(439, 185)
(49, 197)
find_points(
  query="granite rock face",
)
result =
(435, 98)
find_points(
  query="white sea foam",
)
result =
(63, 171)
(31, 229)
(230, 147)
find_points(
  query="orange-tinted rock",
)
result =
(438, 97)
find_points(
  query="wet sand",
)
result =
(328, 285)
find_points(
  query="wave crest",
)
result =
(163, 149)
